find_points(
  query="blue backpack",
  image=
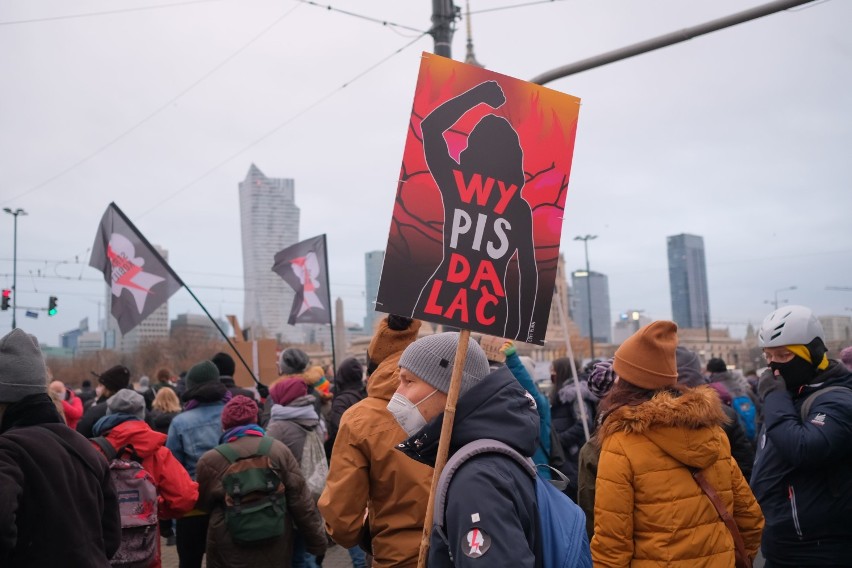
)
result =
(561, 523)
(747, 413)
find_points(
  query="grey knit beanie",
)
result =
(127, 401)
(431, 359)
(22, 369)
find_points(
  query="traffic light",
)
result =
(51, 306)
(7, 295)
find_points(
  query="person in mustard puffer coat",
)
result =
(649, 511)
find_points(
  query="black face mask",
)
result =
(796, 372)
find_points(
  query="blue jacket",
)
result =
(491, 500)
(542, 452)
(193, 432)
(802, 475)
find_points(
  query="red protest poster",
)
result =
(474, 237)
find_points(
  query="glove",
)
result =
(770, 382)
(508, 349)
(262, 390)
(399, 323)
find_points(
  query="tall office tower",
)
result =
(269, 220)
(601, 320)
(373, 262)
(155, 326)
(688, 281)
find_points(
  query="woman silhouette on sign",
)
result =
(486, 222)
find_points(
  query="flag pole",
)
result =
(330, 316)
(182, 283)
(444, 441)
(228, 339)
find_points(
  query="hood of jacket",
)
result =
(138, 434)
(497, 408)
(681, 425)
(385, 350)
(568, 392)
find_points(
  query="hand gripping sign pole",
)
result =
(444, 442)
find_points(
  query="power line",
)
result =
(511, 6)
(282, 125)
(363, 17)
(105, 12)
(159, 109)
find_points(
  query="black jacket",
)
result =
(58, 506)
(92, 415)
(742, 449)
(802, 475)
(491, 493)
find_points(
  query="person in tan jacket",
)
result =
(368, 474)
(649, 511)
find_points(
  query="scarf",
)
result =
(30, 411)
(109, 422)
(205, 394)
(293, 413)
(240, 432)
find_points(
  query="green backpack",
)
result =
(255, 504)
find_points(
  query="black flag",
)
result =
(304, 267)
(140, 279)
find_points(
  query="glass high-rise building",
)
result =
(688, 281)
(373, 262)
(269, 221)
(601, 320)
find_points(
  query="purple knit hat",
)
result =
(602, 378)
(846, 357)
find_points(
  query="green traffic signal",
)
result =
(51, 306)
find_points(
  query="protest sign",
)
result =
(474, 238)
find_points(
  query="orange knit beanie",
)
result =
(647, 358)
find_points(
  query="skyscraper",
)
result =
(601, 320)
(373, 262)
(688, 281)
(155, 326)
(269, 220)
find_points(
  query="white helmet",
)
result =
(790, 325)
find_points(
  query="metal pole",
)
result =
(443, 25)
(667, 39)
(589, 296)
(15, 268)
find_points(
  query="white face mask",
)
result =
(406, 414)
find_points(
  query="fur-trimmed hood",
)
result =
(685, 426)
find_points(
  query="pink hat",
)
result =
(286, 391)
(239, 411)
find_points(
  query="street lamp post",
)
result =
(775, 303)
(15, 214)
(586, 240)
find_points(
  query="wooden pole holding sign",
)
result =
(564, 317)
(444, 442)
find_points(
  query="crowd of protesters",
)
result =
(670, 462)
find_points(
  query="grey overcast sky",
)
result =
(742, 136)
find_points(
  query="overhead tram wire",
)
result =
(381, 21)
(511, 6)
(159, 109)
(281, 125)
(106, 12)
